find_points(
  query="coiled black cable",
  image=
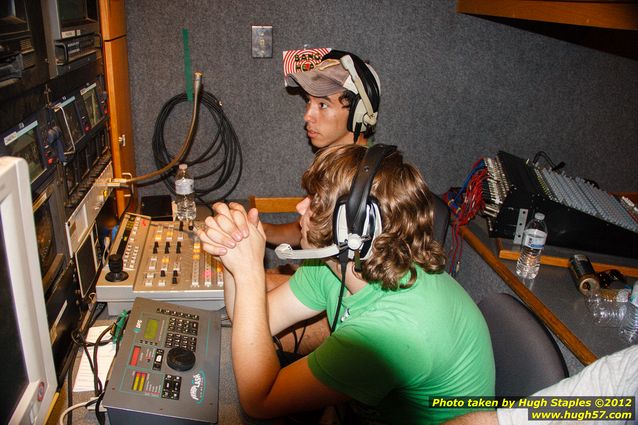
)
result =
(223, 152)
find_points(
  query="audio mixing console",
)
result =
(160, 260)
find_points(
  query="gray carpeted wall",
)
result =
(454, 87)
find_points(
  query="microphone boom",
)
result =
(285, 252)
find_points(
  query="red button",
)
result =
(135, 355)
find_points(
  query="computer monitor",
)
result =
(22, 49)
(28, 380)
(73, 34)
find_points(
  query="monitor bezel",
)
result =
(26, 283)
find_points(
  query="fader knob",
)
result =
(180, 359)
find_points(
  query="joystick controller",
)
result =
(116, 266)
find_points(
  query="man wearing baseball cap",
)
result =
(342, 96)
(343, 99)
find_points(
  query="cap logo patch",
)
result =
(302, 60)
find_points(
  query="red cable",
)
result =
(472, 205)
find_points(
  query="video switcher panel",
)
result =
(160, 260)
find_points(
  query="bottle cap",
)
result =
(183, 166)
(539, 216)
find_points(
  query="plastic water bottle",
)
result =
(608, 307)
(185, 195)
(534, 238)
(629, 326)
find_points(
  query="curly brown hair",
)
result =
(406, 209)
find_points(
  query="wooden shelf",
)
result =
(600, 14)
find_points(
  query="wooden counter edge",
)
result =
(559, 329)
(507, 254)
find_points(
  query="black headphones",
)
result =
(356, 220)
(365, 109)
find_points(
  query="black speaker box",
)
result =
(158, 207)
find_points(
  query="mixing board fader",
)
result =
(161, 260)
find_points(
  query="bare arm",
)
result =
(229, 293)
(476, 418)
(265, 390)
(285, 309)
(277, 234)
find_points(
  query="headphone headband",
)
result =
(364, 82)
(361, 185)
(370, 118)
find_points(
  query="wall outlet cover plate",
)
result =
(262, 41)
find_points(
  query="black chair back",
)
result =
(526, 356)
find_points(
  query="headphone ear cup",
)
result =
(357, 112)
(368, 79)
(372, 228)
(356, 219)
(340, 222)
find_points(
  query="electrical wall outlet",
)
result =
(262, 41)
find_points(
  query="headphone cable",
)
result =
(343, 260)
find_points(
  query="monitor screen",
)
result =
(92, 103)
(67, 119)
(72, 11)
(7, 10)
(23, 142)
(45, 235)
(77, 12)
(13, 17)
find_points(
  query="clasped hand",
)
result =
(236, 236)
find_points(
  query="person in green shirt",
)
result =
(403, 332)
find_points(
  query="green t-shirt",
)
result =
(393, 350)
